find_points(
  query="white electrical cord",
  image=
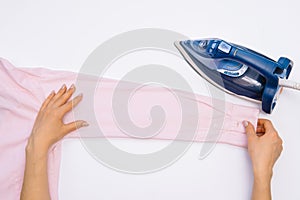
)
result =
(289, 84)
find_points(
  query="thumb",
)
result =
(74, 125)
(250, 131)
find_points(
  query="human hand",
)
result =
(49, 127)
(264, 147)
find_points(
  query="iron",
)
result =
(238, 70)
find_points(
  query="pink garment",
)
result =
(23, 91)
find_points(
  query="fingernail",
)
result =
(72, 86)
(245, 123)
(84, 124)
(80, 95)
(63, 86)
(52, 92)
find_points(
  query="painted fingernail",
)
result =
(245, 123)
(84, 124)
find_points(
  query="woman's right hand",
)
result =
(264, 147)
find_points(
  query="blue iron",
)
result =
(238, 70)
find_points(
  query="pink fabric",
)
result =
(24, 89)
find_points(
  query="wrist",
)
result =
(262, 176)
(34, 147)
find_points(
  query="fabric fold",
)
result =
(24, 89)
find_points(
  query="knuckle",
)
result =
(280, 141)
(56, 113)
(69, 105)
(48, 111)
(51, 113)
(67, 94)
(65, 129)
(70, 91)
(275, 134)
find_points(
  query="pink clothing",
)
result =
(23, 91)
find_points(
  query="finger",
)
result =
(74, 102)
(74, 125)
(260, 134)
(60, 92)
(47, 100)
(65, 97)
(260, 129)
(267, 124)
(250, 131)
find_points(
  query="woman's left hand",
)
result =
(49, 127)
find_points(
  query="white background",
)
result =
(61, 34)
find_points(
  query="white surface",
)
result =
(61, 34)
